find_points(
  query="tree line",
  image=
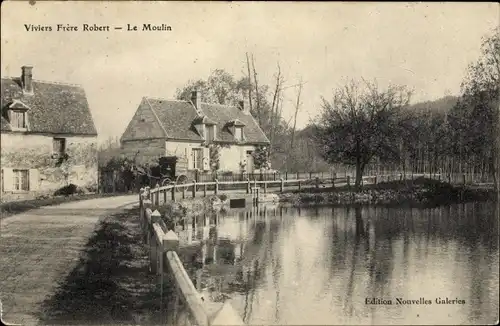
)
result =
(365, 124)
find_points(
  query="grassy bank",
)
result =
(418, 192)
(16, 207)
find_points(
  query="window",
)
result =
(18, 119)
(238, 133)
(59, 145)
(197, 158)
(210, 133)
(21, 180)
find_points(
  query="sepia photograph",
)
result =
(249, 163)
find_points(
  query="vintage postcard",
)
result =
(249, 163)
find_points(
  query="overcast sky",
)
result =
(426, 46)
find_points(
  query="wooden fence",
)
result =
(161, 195)
(188, 306)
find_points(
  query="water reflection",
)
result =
(282, 265)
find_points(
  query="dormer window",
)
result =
(205, 128)
(238, 133)
(236, 128)
(210, 133)
(18, 119)
(17, 115)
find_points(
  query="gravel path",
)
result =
(42, 248)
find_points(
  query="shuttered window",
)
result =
(18, 119)
(21, 180)
(197, 158)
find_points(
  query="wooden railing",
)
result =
(162, 194)
(188, 305)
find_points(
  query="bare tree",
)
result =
(250, 83)
(362, 122)
(257, 94)
(297, 108)
(275, 118)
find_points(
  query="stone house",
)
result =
(185, 129)
(48, 137)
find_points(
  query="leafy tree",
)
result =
(214, 150)
(261, 157)
(220, 87)
(475, 119)
(360, 123)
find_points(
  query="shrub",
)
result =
(70, 189)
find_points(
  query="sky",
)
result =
(425, 46)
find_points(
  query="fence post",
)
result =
(310, 175)
(265, 187)
(170, 243)
(216, 189)
(255, 184)
(375, 180)
(173, 193)
(154, 248)
(317, 182)
(286, 175)
(205, 190)
(298, 175)
(164, 195)
(157, 195)
(248, 186)
(194, 188)
(400, 177)
(348, 181)
(299, 184)
(141, 205)
(282, 185)
(463, 178)
(183, 192)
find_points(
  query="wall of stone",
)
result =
(143, 151)
(34, 152)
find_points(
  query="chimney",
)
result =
(196, 98)
(244, 106)
(27, 79)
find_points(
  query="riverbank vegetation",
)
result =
(418, 192)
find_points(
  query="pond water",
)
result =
(324, 265)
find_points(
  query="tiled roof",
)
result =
(53, 107)
(178, 117)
